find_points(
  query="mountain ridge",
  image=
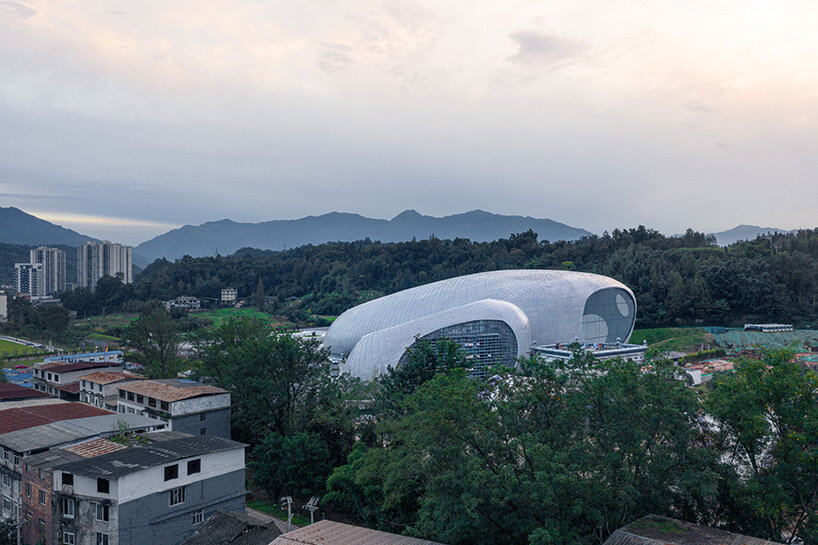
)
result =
(226, 236)
(22, 228)
(746, 232)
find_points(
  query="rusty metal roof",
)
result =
(70, 388)
(327, 532)
(28, 417)
(107, 377)
(95, 447)
(15, 392)
(657, 530)
(170, 390)
(77, 366)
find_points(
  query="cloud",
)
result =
(540, 48)
(16, 8)
(335, 59)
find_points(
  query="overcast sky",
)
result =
(124, 119)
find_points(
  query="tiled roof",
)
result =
(28, 417)
(107, 377)
(225, 528)
(77, 366)
(95, 447)
(170, 390)
(656, 530)
(15, 391)
(327, 532)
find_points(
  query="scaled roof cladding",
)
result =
(553, 301)
(29, 417)
(107, 377)
(327, 532)
(159, 451)
(175, 391)
(658, 530)
(10, 391)
(58, 367)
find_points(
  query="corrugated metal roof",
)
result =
(10, 391)
(35, 402)
(107, 377)
(29, 417)
(225, 528)
(77, 366)
(327, 532)
(160, 451)
(69, 431)
(658, 530)
(70, 388)
(170, 390)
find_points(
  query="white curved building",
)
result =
(496, 317)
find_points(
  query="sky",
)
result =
(122, 120)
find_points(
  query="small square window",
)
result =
(165, 406)
(194, 466)
(203, 431)
(177, 496)
(172, 472)
(68, 538)
(103, 486)
(130, 396)
(202, 417)
(140, 399)
(122, 394)
(198, 516)
(102, 539)
(103, 513)
(151, 402)
(67, 479)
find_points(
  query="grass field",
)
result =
(219, 315)
(672, 338)
(9, 347)
(111, 320)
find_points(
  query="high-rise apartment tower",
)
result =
(96, 260)
(53, 262)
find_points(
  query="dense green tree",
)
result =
(676, 280)
(269, 374)
(8, 532)
(550, 455)
(295, 465)
(767, 417)
(260, 295)
(156, 340)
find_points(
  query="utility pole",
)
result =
(312, 507)
(289, 501)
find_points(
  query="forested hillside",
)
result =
(18, 253)
(684, 279)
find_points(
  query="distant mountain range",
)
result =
(227, 236)
(746, 232)
(18, 227)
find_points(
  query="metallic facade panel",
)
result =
(552, 304)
